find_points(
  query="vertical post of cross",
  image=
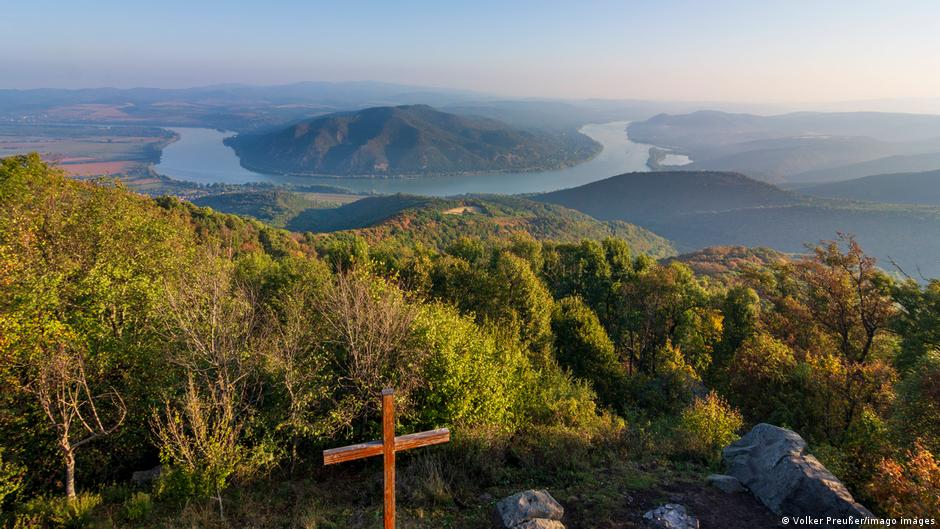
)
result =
(388, 455)
(386, 447)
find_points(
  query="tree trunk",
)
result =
(218, 497)
(70, 474)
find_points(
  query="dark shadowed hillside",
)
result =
(358, 214)
(274, 206)
(647, 197)
(701, 209)
(407, 140)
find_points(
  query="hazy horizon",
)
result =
(728, 51)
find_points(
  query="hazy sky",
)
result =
(756, 50)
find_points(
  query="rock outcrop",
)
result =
(531, 509)
(774, 465)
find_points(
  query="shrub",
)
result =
(558, 449)
(11, 479)
(177, 485)
(582, 345)
(671, 387)
(917, 409)
(59, 511)
(367, 333)
(709, 424)
(473, 378)
(835, 459)
(758, 378)
(477, 456)
(866, 443)
(557, 399)
(138, 506)
(203, 441)
(344, 251)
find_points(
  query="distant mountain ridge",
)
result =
(795, 147)
(408, 140)
(897, 188)
(912, 163)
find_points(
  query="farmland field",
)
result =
(88, 150)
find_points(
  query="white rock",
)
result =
(671, 516)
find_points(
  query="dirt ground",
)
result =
(714, 509)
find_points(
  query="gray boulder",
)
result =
(146, 477)
(671, 516)
(725, 483)
(773, 463)
(536, 506)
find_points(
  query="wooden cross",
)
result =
(387, 448)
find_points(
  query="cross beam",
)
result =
(387, 448)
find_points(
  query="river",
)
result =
(200, 156)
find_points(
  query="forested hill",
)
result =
(435, 222)
(407, 141)
(439, 223)
(701, 209)
(899, 188)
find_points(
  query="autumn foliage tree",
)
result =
(847, 295)
(909, 486)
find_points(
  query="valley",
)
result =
(692, 209)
